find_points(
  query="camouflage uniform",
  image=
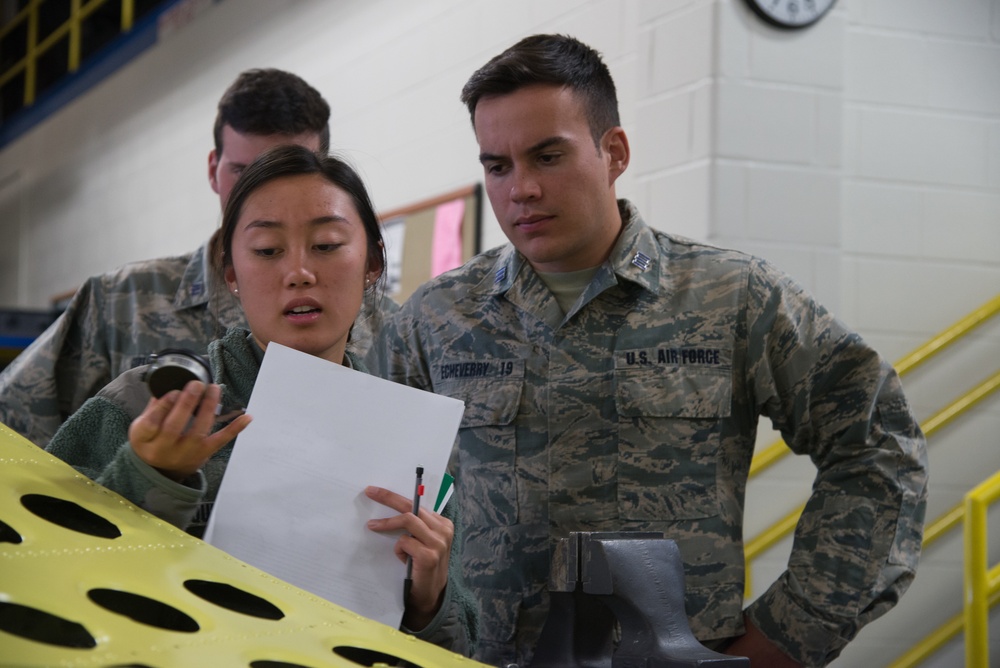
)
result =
(638, 409)
(114, 322)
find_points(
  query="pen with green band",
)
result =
(418, 491)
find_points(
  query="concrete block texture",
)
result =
(861, 155)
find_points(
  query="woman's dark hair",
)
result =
(556, 60)
(294, 160)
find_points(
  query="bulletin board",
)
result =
(430, 237)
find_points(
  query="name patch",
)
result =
(499, 368)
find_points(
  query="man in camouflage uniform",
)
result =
(613, 376)
(116, 320)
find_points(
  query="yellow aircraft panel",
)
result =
(88, 579)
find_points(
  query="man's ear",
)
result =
(213, 170)
(615, 143)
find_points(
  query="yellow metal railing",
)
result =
(981, 581)
(927, 646)
(939, 527)
(947, 522)
(71, 30)
(936, 640)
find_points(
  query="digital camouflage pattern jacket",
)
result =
(638, 410)
(112, 324)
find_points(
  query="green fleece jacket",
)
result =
(94, 440)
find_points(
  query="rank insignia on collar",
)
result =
(641, 260)
(500, 275)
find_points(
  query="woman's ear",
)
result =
(375, 265)
(230, 275)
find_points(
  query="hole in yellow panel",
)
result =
(8, 534)
(143, 610)
(41, 626)
(276, 664)
(368, 657)
(231, 598)
(69, 515)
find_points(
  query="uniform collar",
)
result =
(635, 257)
(506, 268)
(195, 287)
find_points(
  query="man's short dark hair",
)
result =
(269, 102)
(556, 60)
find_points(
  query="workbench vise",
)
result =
(617, 601)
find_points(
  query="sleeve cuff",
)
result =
(807, 638)
(437, 622)
(191, 490)
(173, 502)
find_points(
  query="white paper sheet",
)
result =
(292, 500)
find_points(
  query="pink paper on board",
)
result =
(446, 249)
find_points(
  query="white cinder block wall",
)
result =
(862, 155)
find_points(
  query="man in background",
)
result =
(613, 377)
(117, 319)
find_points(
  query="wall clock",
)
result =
(790, 14)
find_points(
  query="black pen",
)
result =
(418, 491)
